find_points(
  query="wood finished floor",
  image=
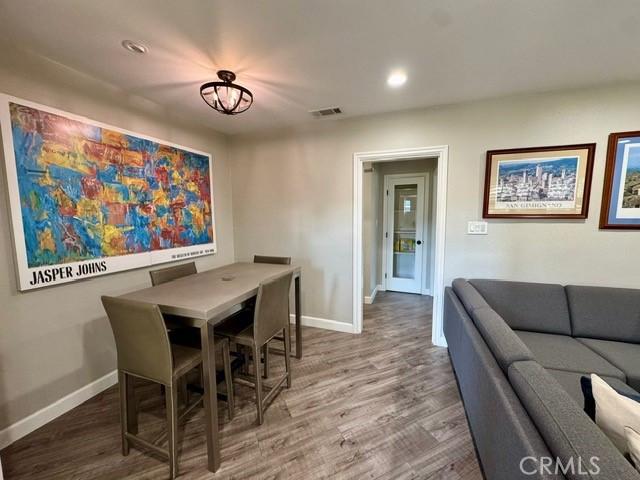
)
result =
(381, 405)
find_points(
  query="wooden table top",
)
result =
(206, 295)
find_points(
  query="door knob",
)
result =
(419, 242)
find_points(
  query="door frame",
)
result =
(425, 213)
(359, 158)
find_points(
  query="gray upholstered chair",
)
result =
(164, 275)
(275, 261)
(181, 334)
(270, 317)
(144, 351)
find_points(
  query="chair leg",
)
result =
(265, 354)
(245, 355)
(124, 420)
(132, 406)
(287, 354)
(258, 380)
(228, 378)
(184, 390)
(172, 428)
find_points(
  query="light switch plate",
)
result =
(477, 228)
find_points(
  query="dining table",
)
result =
(205, 299)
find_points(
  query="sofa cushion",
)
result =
(605, 313)
(590, 400)
(561, 352)
(633, 444)
(505, 345)
(567, 430)
(468, 295)
(537, 307)
(572, 384)
(614, 412)
(625, 356)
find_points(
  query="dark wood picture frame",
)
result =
(584, 212)
(609, 172)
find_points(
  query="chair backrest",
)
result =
(276, 260)
(272, 308)
(141, 338)
(164, 275)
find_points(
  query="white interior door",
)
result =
(404, 231)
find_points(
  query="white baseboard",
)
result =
(369, 300)
(380, 288)
(441, 341)
(325, 324)
(41, 417)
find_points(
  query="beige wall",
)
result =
(56, 340)
(293, 192)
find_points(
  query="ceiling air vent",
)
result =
(325, 112)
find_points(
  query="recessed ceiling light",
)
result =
(397, 78)
(134, 47)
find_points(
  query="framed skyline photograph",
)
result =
(539, 182)
(621, 193)
(89, 199)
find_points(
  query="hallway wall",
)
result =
(430, 167)
(371, 221)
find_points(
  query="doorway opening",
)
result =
(399, 219)
(406, 225)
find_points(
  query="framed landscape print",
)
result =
(621, 194)
(539, 182)
(89, 199)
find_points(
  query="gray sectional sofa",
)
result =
(519, 351)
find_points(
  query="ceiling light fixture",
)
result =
(225, 96)
(397, 79)
(134, 47)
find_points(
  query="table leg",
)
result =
(298, 318)
(210, 396)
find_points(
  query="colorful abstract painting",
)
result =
(87, 192)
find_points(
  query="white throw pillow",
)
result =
(614, 412)
(633, 444)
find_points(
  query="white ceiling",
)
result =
(298, 55)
